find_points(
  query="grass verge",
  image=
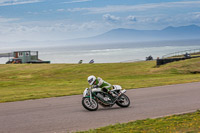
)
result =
(185, 123)
(34, 81)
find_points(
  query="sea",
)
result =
(106, 53)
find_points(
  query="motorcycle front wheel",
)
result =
(89, 105)
(123, 101)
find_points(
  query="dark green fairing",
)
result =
(89, 97)
(102, 100)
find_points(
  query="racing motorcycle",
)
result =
(94, 96)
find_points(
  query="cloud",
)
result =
(193, 17)
(164, 20)
(196, 15)
(60, 10)
(76, 1)
(131, 18)
(47, 30)
(141, 7)
(5, 20)
(17, 2)
(110, 18)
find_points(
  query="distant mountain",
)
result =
(132, 35)
(122, 35)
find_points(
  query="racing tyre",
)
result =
(91, 106)
(123, 101)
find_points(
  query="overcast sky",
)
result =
(38, 20)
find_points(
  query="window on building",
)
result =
(27, 53)
(20, 54)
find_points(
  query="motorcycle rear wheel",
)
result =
(91, 106)
(123, 101)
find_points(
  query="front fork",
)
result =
(90, 96)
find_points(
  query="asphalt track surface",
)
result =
(66, 114)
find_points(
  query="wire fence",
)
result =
(179, 53)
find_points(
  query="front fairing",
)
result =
(86, 92)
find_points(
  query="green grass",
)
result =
(33, 81)
(185, 123)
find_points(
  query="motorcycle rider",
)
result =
(100, 83)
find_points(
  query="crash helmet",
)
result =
(91, 79)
